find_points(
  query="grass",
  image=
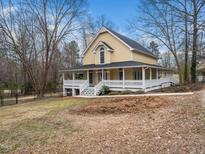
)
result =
(34, 123)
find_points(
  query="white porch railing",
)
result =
(155, 82)
(147, 85)
(138, 84)
(98, 87)
(113, 83)
(127, 83)
(73, 83)
(133, 84)
(201, 78)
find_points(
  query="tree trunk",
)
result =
(194, 46)
(186, 47)
(181, 81)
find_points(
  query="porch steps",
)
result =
(89, 91)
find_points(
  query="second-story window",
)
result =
(102, 56)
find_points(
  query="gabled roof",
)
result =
(133, 45)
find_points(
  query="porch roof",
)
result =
(125, 64)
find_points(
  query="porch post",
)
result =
(64, 91)
(157, 75)
(143, 78)
(73, 90)
(87, 75)
(150, 73)
(102, 74)
(123, 78)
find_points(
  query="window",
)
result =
(102, 56)
(120, 74)
(79, 76)
(138, 75)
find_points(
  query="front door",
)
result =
(91, 78)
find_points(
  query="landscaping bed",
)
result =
(122, 105)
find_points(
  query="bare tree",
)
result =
(161, 23)
(46, 23)
(198, 5)
(166, 60)
(70, 55)
(91, 26)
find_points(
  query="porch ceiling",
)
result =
(125, 64)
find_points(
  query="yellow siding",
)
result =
(129, 74)
(114, 74)
(121, 52)
(144, 58)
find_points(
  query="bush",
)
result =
(105, 90)
(140, 92)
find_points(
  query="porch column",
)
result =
(143, 78)
(87, 75)
(102, 74)
(123, 78)
(157, 75)
(150, 73)
(73, 76)
(64, 91)
(73, 90)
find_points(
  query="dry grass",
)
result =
(171, 124)
(35, 123)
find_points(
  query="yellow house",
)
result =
(118, 62)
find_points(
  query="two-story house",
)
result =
(118, 62)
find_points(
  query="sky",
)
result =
(118, 11)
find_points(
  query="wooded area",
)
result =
(179, 26)
(39, 38)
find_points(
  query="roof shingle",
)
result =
(136, 46)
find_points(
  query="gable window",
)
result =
(138, 75)
(102, 56)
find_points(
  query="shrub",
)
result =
(140, 92)
(105, 90)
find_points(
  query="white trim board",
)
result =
(140, 95)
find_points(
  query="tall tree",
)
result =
(46, 23)
(159, 22)
(198, 5)
(92, 25)
(71, 54)
(154, 47)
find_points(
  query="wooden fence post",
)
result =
(16, 97)
(2, 100)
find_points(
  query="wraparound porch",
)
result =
(118, 79)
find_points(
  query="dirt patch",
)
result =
(121, 105)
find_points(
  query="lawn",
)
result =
(171, 124)
(34, 123)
